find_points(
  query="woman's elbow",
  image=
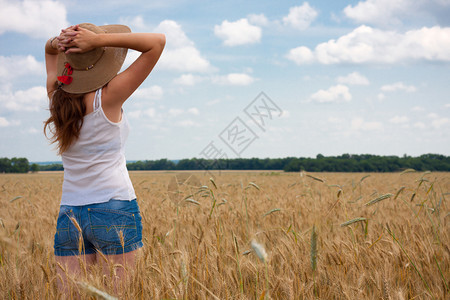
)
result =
(162, 40)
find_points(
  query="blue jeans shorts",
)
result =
(113, 227)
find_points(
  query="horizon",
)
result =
(311, 157)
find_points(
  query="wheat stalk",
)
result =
(315, 178)
(14, 199)
(93, 291)
(378, 199)
(353, 221)
(271, 211)
(398, 192)
(236, 249)
(190, 200)
(386, 289)
(409, 258)
(407, 171)
(313, 251)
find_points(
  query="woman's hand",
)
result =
(76, 39)
(65, 38)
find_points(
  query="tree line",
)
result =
(342, 163)
(17, 165)
(369, 163)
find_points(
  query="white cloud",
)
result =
(185, 59)
(12, 67)
(149, 112)
(285, 114)
(234, 79)
(377, 11)
(194, 111)
(33, 99)
(399, 119)
(334, 120)
(301, 55)
(418, 108)
(240, 32)
(4, 122)
(188, 79)
(138, 114)
(300, 17)
(398, 86)
(154, 92)
(441, 122)
(132, 55)
(136, 23)
(187, 123)
(175, 112)
(353, 79)
(37, 19)
(419, 125)
(180, 53)
(335, 94)
(437, 121)
(134, 114)
(395, 12)
(360, 124)
(213, 102)
(369, 45)
(32, 130)
(259, 20)
(176, 37)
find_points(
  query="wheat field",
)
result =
(248, 235)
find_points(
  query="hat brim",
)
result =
(104, 70)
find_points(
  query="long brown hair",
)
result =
(66, 118)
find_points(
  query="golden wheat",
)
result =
(320, 239)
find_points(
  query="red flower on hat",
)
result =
(69, 69)
(65, 78)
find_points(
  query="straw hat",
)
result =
(85, 72)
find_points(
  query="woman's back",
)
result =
(94, 165)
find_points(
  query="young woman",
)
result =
(99, 216)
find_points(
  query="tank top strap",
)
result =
(98, 99)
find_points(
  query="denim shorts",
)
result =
(113, 227)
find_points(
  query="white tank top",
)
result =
(94, 165)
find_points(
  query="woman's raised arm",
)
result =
(121, 87)
(51, 54)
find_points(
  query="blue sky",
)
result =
(337, 77)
